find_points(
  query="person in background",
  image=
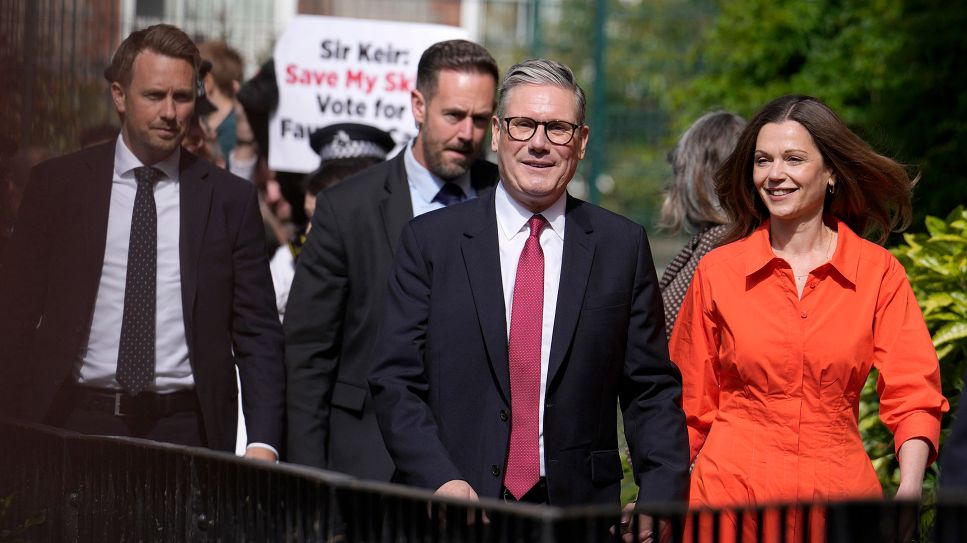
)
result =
(953, 457)
(200, 138)
(127, 311)
(332, 316)
(344, 149)
(221, 85)
(783, 323)
(691, 203)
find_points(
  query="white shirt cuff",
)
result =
(264, 446)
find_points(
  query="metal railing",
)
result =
(61, 486)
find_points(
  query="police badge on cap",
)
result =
(350, 140)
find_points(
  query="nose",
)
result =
(776, 170)
(465, 129)
(539, 140)
(168, 108)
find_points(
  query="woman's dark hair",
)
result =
(872, 194)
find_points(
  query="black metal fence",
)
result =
(61, 486)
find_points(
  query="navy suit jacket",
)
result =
(441, 385)
(52, 268)
(332, 317)
(953, 455)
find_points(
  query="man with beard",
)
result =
(334, 304)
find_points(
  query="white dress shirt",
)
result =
(98, 359)
(512, 232)
(424, 185)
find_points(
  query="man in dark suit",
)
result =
(515, 324)
(333, 308)
(953, 455)
(136, 280)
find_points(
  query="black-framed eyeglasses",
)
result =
(524, 128)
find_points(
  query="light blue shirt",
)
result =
(424, 185)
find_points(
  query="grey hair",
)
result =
(690, 200)
(541, 71)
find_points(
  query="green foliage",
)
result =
(893, 69)
(936, 264)
(647, 51)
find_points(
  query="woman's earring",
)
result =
(831, 189)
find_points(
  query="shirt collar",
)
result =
(423, 181)
(125, 161)
(845, 258)
(512, 217)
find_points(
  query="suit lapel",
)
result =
(575, 269)
(195, 193)
(97, 194)
(396, 208)
(481, 255)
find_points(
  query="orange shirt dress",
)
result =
(772, 381)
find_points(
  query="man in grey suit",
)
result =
(332, 315)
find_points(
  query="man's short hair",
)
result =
(456, 55)
(541, 71)
(227, 65)
(163, 39)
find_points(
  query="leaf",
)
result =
(950, 332)
(935, 301)
(945, 350)
(933, 263)
(935, 226)
(949, 238)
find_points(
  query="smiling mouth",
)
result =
(780, 192)
(538, 164)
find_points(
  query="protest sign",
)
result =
(336, 70)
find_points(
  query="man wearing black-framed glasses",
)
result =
(513, 327)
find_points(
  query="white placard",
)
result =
(337, 70)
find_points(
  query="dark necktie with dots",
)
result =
(136, 353)
(450, 193)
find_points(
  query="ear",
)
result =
(117, 96)
(494, 133)
(832, 180)
(582, 137)
(418, 106)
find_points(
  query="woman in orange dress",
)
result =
(780, 328)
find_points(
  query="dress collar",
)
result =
(845, 257)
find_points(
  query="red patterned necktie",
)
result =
(527, 312)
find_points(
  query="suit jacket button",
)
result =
(495, 470)
(503, 415)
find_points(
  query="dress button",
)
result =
(803, 315)
(503, 415)
(495, 470)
